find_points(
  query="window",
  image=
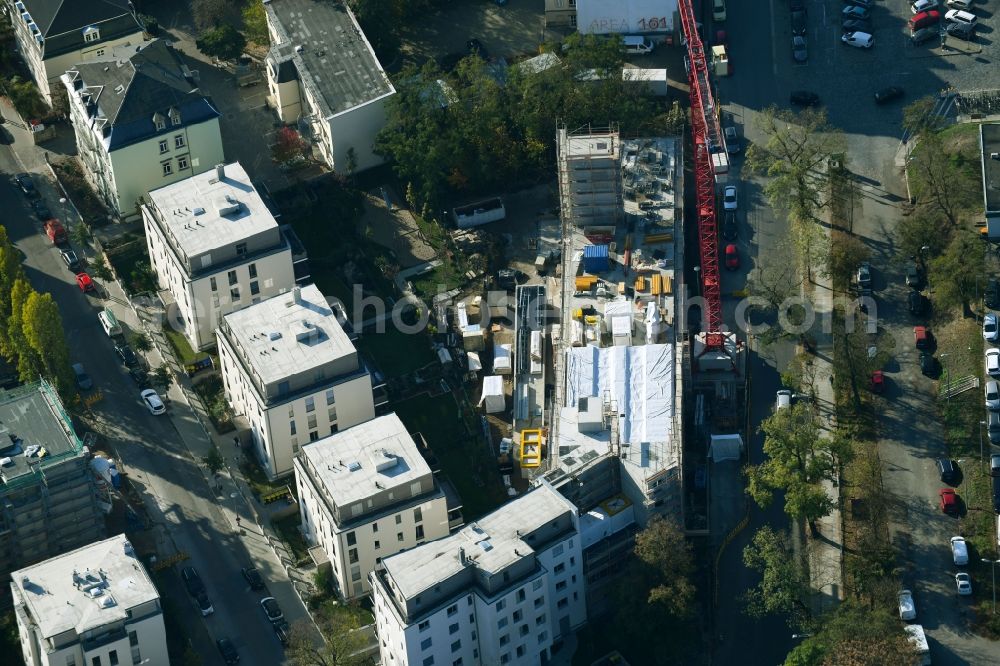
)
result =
(158, 122)
(167, 168)
(475, 653)
(517, 616)
(539, 601)
(175, 117)
(452, 610)
(113, 657)
(540, 620)
(572, 561)
(241, 250)
(537, 585)
(417, 515)
(313, 436)
(330, 397)
(424, 626)
(420, 532)
(232, 277)
(523, 630)
(559, 568)
(457, 662)
(254, 288)
(520, 595)
(501, 605)
(377, 545)
(562, 603)
(572, 578)
(560, 586)
(505, 658)
(91, 34)
(163, 146)
(99, 53)
(133, 638)
(253, 271)
(355, 575)
(71, 660)
(456, 646)
(557, 551)
(213, 284)
(374, 528)
(504, 640)
(310, 404)
(352, 555)
(399, 537)
(332, 415)
(520, 651)
(501, 623)
(234, 294)
(182, 162)
(352, 539)
(179, 141)
(96, 661)
(312, 421)
(541, 637)
(424, 644)
(453, 628)
(291, 426)
(399, 519)
(429, 661)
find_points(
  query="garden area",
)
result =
(129, 258)
(90, 207)
(288, 531)
(394, 352)
(213, 395)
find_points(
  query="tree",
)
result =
(663, 547)
(922, 228)
(43, 335)
(855, 635)
(944, 179)
(11, 271)
(211, 13)
(81, 234)
(224, 42)
(163, 376)
(378, 19)
(919, 117)
(956, 274)
(845, 255)
(784, 586)
(344, 640)
(17, 351)
(794, 156)
(214, 460)
(255, 23)
(141, 342)
(288, 145)
(99, 268)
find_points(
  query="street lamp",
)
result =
(947, 377)
(697, 278)
(993, 567)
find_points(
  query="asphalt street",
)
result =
(846, 78)
(186, 510)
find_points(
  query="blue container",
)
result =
(595, 258)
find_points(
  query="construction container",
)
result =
(596, 258)
(585, 282)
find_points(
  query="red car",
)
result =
(878, 381)
(732, 257)
(949, 501)
(921, 337)
(84, 282)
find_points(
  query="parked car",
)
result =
(996, 494)
(922, 337)
(27, 185)
(923, 6)
(84, 282)
(733, 142)
(855, 25)
(992, 392)
(126, 354)
(960, 16)
(907, 610)
(799, 22)
(914, 278)
(867, 4)
(228, 651)
(915, 300)
(800, 50)
(861, 40)
(966, 31)
(153, 403)
(192, 581)
(959, 4)
(990, 332)
(855, 12)
(864, 275)
(877, 382)
(993, 362)
(271, 609)
(732, 257)
(729, 198)
(83, 381)
(993, 427)
(949, 501)
(41, 209)
(281, 631)
(253, 577)
(718, 10)
(730, 228)
(924, 19)
(947, 471)
(70, 259)
(991, 297)
(963, 583)
(139, 376)
(887, 95)
(959, 551)
(923, 34)
(995, 464)
(782, 399)
(803, 98)
(928, 364)
(204, 604)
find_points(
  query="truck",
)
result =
(915, 634)
(55, 231)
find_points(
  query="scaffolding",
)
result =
(589, 171)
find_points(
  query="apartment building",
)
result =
(141, 123)
(292, 374)
(322, 74)
(54, 36)
(93, 606)
(501, 590)
(48, 495)
(366, 493)
(215, 247)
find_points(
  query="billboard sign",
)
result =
(602, 17)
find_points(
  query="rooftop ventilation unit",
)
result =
(354, 466)
(199, 211)
(384, 460)
(227, 206)
(274, 335)
(95, 592)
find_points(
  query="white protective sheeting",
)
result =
(493, 397)
(639, 379)
(475, 364)
(501, 359)
(725, 447)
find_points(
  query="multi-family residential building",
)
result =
(93, 606)
(322, 74)
(366, 493)
(48, 495)
(215, 247)
(560, 13)
(292, 375)
(54, 36)
(141, 123)
(501, 590)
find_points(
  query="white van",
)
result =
(959, 551)
(783, 400)
(109, 323)
(638, 45)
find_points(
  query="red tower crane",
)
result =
(707, 137)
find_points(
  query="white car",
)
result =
(153, 402)
(990, 332)
(963, 583)
(992, 392)
(959, 551)
(959, 16)
(861, 40)
(923, 6)
(729, 201)
(993, 362)
(959, 4)
(907, 609)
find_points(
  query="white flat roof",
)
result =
(190, 210)
(269, 332)
(492, 542)
(347, 463)
(85, 588)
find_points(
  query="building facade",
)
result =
(560, 13)
(48, 495)
(54, 36)
(215, 247)
(366, 493)
(323, 75)
(140, 123)
(501, 590)
(292, 375)
(94, 606)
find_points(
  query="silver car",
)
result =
(992, 392)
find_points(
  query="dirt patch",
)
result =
(397, 230)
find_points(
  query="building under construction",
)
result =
(590, 183)
(48, 492)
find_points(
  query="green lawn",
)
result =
(182, 348)
(464, 458)
(288, 529)
(394, 352)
